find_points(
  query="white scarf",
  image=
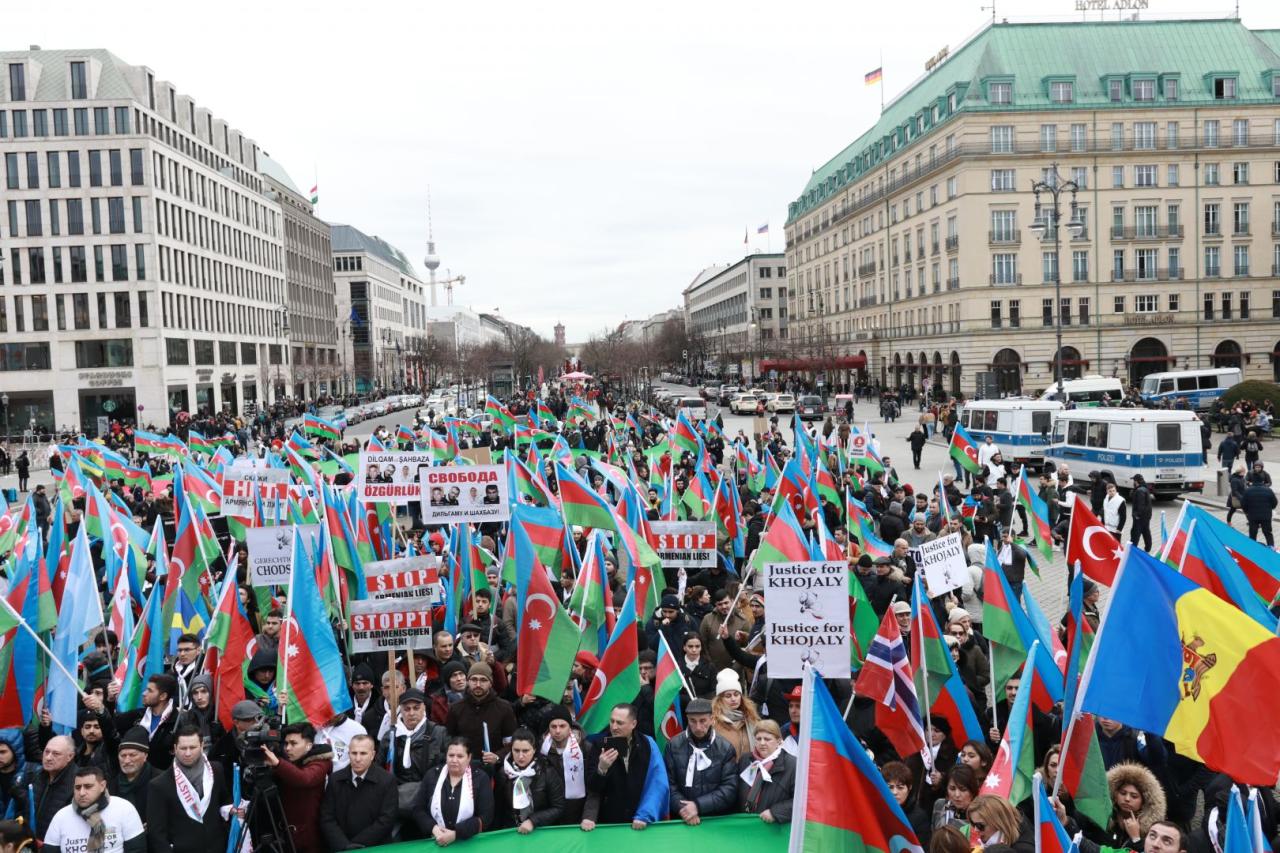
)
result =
(152, 723)
(575, 783)
(358, 710)
(691, 665)
(195, 806)
(697, 761)
(520, 798)
(384, 725)
(466, 804)
(791, 745)
(749, 775)
(402, 729)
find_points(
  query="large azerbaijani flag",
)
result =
(963, 450)
(841, 801)
(548, 638)
(316, 425)
(1204, 665)
(310, 672)
(618, 676)
(667, 682)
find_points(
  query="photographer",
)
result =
(301, 777)
(227, 752)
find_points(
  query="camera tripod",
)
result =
(266, 820)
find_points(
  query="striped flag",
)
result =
(874, 76)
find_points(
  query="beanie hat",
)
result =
(558, 712)
(727, 679)
(447, 671)
(480, 668)
(136, 738)
(957, 614)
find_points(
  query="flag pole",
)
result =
(52, 657)
(926, 705)
(881, 81)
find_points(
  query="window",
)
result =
(204, 352)
(1002, 180)
(143, 315)
(1226, 306)
(1144, 135)
(57, 265)
(1240, 132)
(53, 170)
(135, 166)
(115, 215)
(1083, 304)
(140, 270)
(1015, 313)
(177, 351)
(1244, 305)
(122, 120)
(996, 314)
(1275, 304)
(34, 226)
(1003, 227)
(1061, 92)
(1079, 135)
(1002, 139)
(1117, 136)
(1173, 179)
(1212, 224)
(1080, 176)
(1144, 90)
(99, 266)
(113, 160)
(137, 214)
(1144, 176)
(79, 81)
(1240, 218)
(1000, 93)
(73, 168)
(1240, 258)
(75, 216)
(11, 170)
(1211, 175)
(1049, 266)
(19, 124)
(1080, 266)
(1240, 173)
(35, 265)
(119, 263)
(1171, 89)
(80, 310)
(116, 352)
(1212, 261)
(101, 121)
(55, 224)
(952, 187)
(1118, 305)
(82, 121)
(1046, 312)
(1117, 221)
(95, 168)
(1117, 176)
(1048, 137)
(123, 315)
(1117, 264)
(1174, 216)
(1004, 268)
(1145, 262)
(1173, 302)
(1144, 220)
(1171, 135)
(1224, 88)
(1115, 89)
(227, 352)
(1175, 264)
(17, 82)
(1211, 133)
(60, 122)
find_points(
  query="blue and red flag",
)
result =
(313, 684)
(886, 677)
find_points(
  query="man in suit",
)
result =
(360, 804)
(185, 804)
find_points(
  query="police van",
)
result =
(1086, 391)
(1161, 445)
(1200, 388)
(1020, 426)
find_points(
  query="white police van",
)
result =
(1086, 391)
(1161, 445)
(1019, 425)
(1200, 388)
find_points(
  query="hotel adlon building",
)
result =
(912, 249)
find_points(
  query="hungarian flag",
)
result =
(841, 800)
(548, 639)
(1015, 763)
(667, 683)
(1090, 545)
(886, 677)
(618, 676)
(312, 682)
(963, 450)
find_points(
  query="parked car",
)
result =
(781, 403)
(743, 404)
(727, 393)
(811, 408)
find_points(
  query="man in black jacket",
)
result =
(617, 781)
(184, 805)
(133, 781)
(52, 781)
(1259, 503)
(1140, 526)
(702, 769)
(360, 804)
(158, 715)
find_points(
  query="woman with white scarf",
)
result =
(767, 781)
(529, 790)
(455, 801)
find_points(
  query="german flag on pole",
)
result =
(874, 76)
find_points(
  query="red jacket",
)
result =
(301, 790)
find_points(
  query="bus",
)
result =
(1162, 445)
(1020, 426)
(1086, 391)
(1200, 388)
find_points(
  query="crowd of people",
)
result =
(441, 746)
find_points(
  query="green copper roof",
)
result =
(1030, 56)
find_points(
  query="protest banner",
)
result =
(474, 493)
(391, 476)
(943, 562)
(271, 552)
(406, 577)
(241, 484)
(685, 544)
(806, 607)
(389, 624)
(478, 455)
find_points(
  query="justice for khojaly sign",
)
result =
(806, 607)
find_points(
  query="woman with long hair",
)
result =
(734, 716)
(695, 667)
(529, 792)
(977, 755)
(1137, 801)
(996, 822)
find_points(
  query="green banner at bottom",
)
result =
(744, 833)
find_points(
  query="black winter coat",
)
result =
(775, 796)
(482, 805)
(425, 752)
(1258, 502)
(353, 817)
(546, 790)
(169, 828)
(715, 788)
(701, 679)
(51, 794)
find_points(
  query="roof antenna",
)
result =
(992, 7)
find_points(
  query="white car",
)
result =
(743, 404)
(781, 403)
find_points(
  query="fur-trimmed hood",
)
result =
(1153, 800)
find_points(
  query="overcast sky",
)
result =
(584, 163)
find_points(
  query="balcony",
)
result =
(953, 284)
(1009, 237)
(1082, 237)
(953, 243)
(1004, 280)
(935, 249)
(1240, 231)
(1213, 231)
(1138, 232)
(1147, 275)
(1213, 272)
(865, 270)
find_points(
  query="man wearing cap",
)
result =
(94, 820)
(902, 614)
(136, 772)
(484, 718)
(882, 583)
(158, 715)
(366, 709)
(473, 650)
(412, 746)
(566, 748)
(670, 621)
(701, 768)
(226, 753)
(791, 730)
(583, 670)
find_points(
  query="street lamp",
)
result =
(4, 401)
(282, 329)
(1054, 187)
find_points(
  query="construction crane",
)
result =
(448, 282)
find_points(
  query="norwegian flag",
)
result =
(886, 677)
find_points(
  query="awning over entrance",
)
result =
(841, 362)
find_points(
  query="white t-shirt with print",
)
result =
(70, 832)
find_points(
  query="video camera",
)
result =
(265, 735)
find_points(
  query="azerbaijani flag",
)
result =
(667, 682)
(548, 639)
(312, 683)
(963, 450)
(841, 800)
(581, 504)
(1037, 516)
(158, 445)
(1015, 762)
(316, 425)
(1050, 835)
(1006, 625)
(1197, 682)
(783, 541)
(946, 696)
(618, 676)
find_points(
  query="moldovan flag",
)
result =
(841, 800)
(1199, 680)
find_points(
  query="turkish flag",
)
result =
(1092, 545)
